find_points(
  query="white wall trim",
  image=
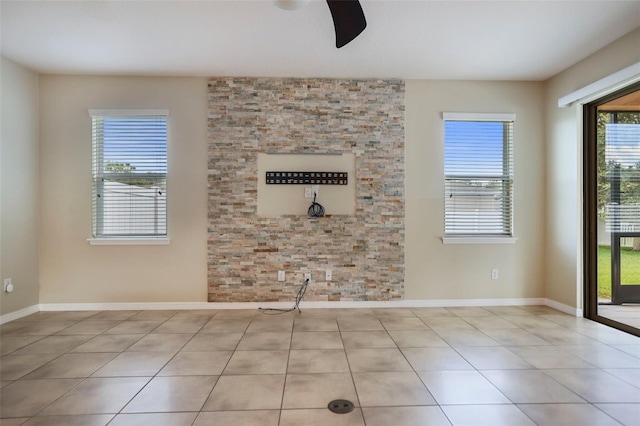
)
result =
(479, 240)
(605, 85)
(135, 241)
(478, 116)
(19, 313)
(576, 312)
(284, 305)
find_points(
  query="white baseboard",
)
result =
(421, 303)
(576, 312)
(19, 313)
(282, 305)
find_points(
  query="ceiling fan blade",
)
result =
(348, 20)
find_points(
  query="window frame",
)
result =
(483, 238)
(151, 239)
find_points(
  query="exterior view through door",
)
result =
(612, 209)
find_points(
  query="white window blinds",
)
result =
(478, 167)
(129, 173)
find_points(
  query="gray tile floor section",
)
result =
(508, 365)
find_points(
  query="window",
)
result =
(129, 168)
(478, 168)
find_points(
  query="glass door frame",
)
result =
(589, 209)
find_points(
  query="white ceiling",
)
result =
(488, 40)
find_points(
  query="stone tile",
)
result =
(567, 414)
(320, 417)
(530, 386)
(493, 358)
(403, 323)
(197, 364)
(447, 323)
(316, 340)
(318, 361)
(114, 315)
(393, 312)
(155, 419)
(109, 343)
(317, 390)
(153, 315)
(627, 414)
(10, 343)
(26, 398)
(97, 396)
(360, 324)
(405, 416)
(595, 385)
(84, 420)
(134, 327)
(274, 325)
(13, 367)
(435, 359)
(367, 339)
(461, 338)
(461, 387)
(432, 312)
(549, 357)
(248, 392)
(264, 341)
(240, 418)
(515, 337)
(486, 415)
(391, 389)
(469, 311)
(416, 339)
(177, 326)
(213, 342)
(54, 345)
(160, 343)
(257, 362)
(490, 322)
(315, 324)
(216, 325)
(129, 364)
(169, 394)
(42, 328)
(88, 327)
(368, 360)
(69, 366)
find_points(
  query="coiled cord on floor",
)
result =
(296, 305)
(315, 209)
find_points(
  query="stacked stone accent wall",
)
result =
(366, 251)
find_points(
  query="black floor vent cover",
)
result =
(340, 406)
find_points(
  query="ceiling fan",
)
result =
(348, 17)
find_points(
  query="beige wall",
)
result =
(18, 185)
(437, 271)
(563, 248)
(71, 270)
(74, 271)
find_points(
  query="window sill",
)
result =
(479, 240)
(136, 241)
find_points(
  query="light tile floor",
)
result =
(493, 366)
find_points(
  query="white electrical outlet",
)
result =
(307, 276)
(328, 275)
(280, 275)
(494, 274)
(315, 189)
(308, 193)
(8, 286)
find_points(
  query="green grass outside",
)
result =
(630, 269)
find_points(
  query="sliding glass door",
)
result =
(612, 209)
